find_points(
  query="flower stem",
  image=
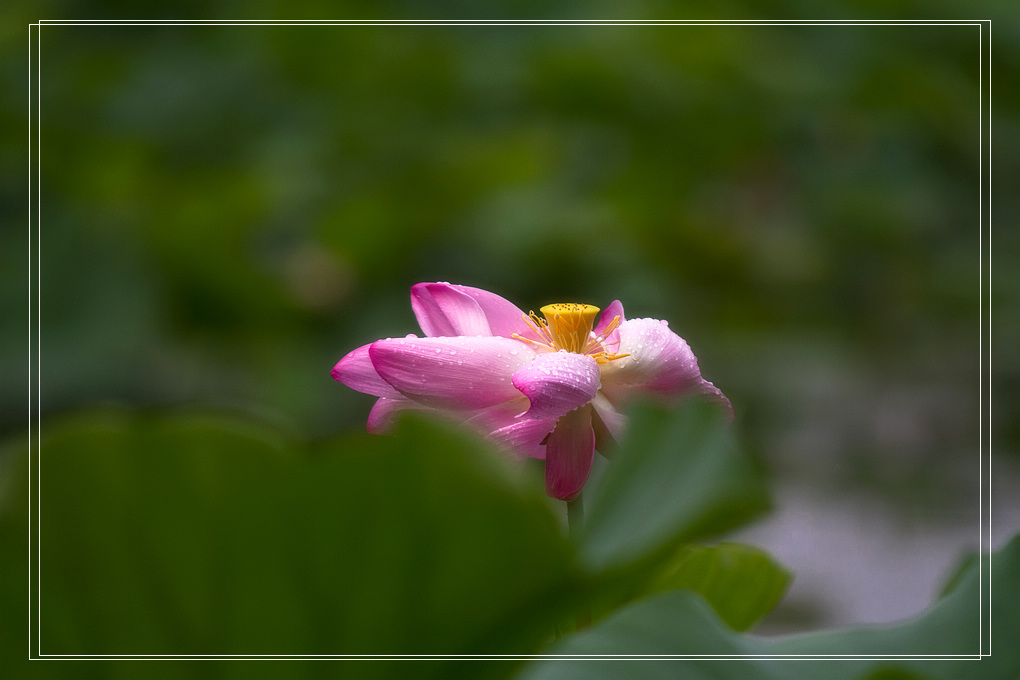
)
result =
(575, 523)
(575, 516)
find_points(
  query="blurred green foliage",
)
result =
(201, 534)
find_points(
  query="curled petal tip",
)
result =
(357, 371)
(714, 394)
(557, 383)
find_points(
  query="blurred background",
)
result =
(226, 211)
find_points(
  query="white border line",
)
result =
(981, 392)
(455, 22)
(30, 372)
(38, 336)
(494, 23)
(554, 657)
(494, 657)
(988, 412)
(983, 387)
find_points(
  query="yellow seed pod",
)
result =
(570, 324)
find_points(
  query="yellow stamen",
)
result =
(610, 327)
(538, 327)
(601, 356)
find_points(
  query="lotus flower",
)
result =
(548, 387)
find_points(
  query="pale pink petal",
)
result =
(569, 454)
(607, 416)
(446, 310)
(557, 382)
(381, 417)
(660, 360)
(617, 394)
(494, 417)
(612, 340)
(357, 372)
(464, 373)
(524, 437)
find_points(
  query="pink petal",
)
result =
(380, 419)
(444, 311)
(524, 437)
(464, 373)
(557, 382)
(357, 372)
(569, 454)
(505, 318)
(614, 309)
(501, 425)
(660, 360)
(447, 310)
